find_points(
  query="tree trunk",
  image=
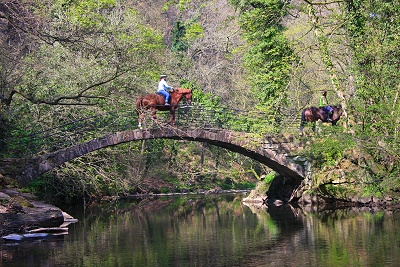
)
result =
(327, 60)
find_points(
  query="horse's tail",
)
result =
(139, 104)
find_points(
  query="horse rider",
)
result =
(164, 89)
(323, 103)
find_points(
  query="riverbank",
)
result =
(261, 196)
(22, 213)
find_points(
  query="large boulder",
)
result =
(21, 213)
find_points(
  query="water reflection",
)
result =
(215, 230)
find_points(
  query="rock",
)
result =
(17, 214)
(35, 235)
(365, 200)
(306, 199)
(13, 237)
(49, 230)
(32, 218)
(68, 219)
(254, 199)
(4, 196)
(13, 206)
(377, 201)
(10, 192)
(17, 237)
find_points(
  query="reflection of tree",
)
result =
(286, 224)
(146, 232)
(216, 231)
(335, 237)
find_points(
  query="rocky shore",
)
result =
(22, 216)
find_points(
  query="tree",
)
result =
(64, 60)
(269, 57)
(210, 48)
(373, 28)
(101, 40)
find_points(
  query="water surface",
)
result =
(214, 230)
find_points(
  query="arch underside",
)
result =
(237, 142)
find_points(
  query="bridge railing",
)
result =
(218, 118)
(68, 134)
(85, 129)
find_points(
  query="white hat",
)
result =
(163, 76)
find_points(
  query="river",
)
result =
(214, 230)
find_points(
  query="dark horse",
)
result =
(314, 114)
(156, 102)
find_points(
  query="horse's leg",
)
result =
(304, 121)
(140, 118)
(318, 126)
(302, 124)
(172, 117)
(140, 121)
(154, 114)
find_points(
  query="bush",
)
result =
(328, 151)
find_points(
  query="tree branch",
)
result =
(323, 3)
(59, 101)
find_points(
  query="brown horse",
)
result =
(314, 114)
(156, 102)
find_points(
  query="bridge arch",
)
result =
(271, 151)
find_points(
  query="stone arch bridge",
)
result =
(277, 152)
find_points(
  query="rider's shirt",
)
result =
(163, 86)
(323, 101)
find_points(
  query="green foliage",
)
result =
(269, 177)
(181, 4)
(335, 191)
(178, 33)
(373, 189)
(84, 13)
(207, 99)
(229, 184)
(375, 41)
(187, 31)
(262, 187)
(269, 57)
(97, 54)
(327, 151)
(184, 33)
(193, 31)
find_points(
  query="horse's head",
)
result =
(338, 110)
(184, 93)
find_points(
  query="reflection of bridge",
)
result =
(78, 138)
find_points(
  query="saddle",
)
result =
(158, 93)
(327, 109)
